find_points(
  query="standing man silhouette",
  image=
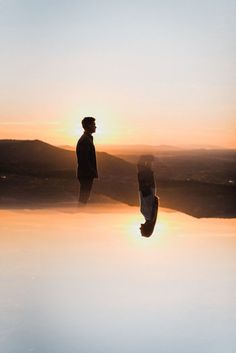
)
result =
(86, 157)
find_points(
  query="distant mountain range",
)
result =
(129, 149)
(200, 183)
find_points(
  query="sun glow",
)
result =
(160, 233)
(106, 122)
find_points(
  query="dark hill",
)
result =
(210, 166)
(50, 172)
(34, 157)
(33, 172)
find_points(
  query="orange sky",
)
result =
(166, 76)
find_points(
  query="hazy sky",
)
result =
(150, 71)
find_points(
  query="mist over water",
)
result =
(84, 280)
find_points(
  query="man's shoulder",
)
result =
(84, 139)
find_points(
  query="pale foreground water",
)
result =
(84, 281)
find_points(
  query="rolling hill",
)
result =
(33, 172)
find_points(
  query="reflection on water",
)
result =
(85, 281)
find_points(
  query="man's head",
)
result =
(88, 124)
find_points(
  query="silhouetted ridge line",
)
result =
(200, 184)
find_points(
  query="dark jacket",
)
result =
(86, 157)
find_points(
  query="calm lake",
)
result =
(85, 281)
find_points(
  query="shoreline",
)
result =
(109, 205)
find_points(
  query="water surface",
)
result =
(84, 280)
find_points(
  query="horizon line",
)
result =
(178, 146)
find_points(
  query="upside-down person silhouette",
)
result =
(86, 156)
(148, 199)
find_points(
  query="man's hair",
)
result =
(88, 120)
